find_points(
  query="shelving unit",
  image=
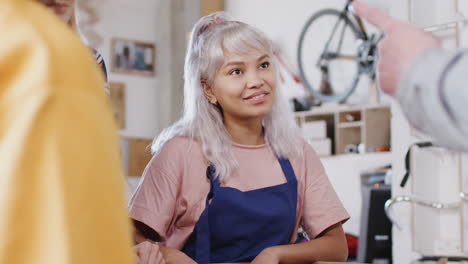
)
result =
(350, 126)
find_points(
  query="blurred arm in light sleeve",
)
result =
(428, 81)
(61, 183)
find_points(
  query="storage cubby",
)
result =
(351, 129)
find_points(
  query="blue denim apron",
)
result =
(236, 226)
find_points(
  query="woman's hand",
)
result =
(148, 253)
(174, 256)
(267, 256)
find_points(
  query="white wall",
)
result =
(142, 21)
(344, 172)
(152, 103)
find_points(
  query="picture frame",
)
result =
(133, 57)
(139, 155)
(118, 98)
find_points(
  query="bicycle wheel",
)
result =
(328, 55)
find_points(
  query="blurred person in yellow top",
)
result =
(61, 183)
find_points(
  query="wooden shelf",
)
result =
(350, 124)
(363, 127)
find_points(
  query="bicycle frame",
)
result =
(357, 19)
(353, 18)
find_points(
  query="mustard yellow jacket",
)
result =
(61, 182)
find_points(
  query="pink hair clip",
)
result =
(215, 21)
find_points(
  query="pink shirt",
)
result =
(172, 193)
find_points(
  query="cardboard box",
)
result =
(314, 129)
(321, 146)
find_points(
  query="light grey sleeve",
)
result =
(433, 94)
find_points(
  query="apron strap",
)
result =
(203, 246)
(202, 229)
(287, 169)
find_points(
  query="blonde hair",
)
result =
(211, 36)
(85, 28)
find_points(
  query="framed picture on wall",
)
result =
(117, 96)
(133, 57)
(209, 6)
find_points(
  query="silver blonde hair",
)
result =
(85, 27)
(211, 36)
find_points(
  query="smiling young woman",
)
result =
(232, 180)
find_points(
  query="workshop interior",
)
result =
(406, 195)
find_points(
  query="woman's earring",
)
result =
(212, 101)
